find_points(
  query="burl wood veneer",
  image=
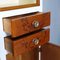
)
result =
(26, 23)
(30, 55)
(19, 45)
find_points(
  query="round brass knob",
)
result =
(36, 41)
(35, 24)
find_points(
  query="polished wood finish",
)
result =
(50, 51)
(21, 6)
(21, 45)
(30, 55)
(22, 24)
(11, 57)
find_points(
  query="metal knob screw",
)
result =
(36, 24)
(36, 41)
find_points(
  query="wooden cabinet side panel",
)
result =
(8, 45)
(46, 19)
(7, 25)
(50, 51)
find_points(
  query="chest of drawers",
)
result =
(26, 32)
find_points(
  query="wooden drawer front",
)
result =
(23, 24)
(21, 45)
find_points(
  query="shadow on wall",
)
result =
(54, 7)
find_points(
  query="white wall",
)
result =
(54, 7)
(11, 13)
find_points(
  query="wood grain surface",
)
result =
(23, 24)
(21, 45)
(30, 55)
(50, 51)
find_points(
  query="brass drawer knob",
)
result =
(36, 24)
(36, 41)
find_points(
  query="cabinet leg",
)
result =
(31, 55)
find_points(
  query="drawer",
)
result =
(22, 24)
(19, 45)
